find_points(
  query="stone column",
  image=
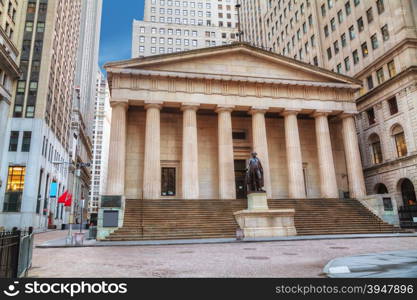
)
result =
(190, 188)
(117, 149)
(260, 145)
(296, 184)
(152, 161)
(353, 159)
(328, 183)
(227, 184)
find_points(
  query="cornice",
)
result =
(264, 80)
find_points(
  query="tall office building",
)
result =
(84, 99)
(40, 116)
(375, 42)
(101, 140)
(173, 26)
(9, 70)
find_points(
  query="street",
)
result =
(262, 259)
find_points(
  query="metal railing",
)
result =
(15, 253)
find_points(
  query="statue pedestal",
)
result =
(258, 221)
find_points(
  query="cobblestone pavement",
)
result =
(262, 259)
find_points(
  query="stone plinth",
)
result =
(260, 222)
(257, 201)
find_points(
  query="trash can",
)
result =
(78, 238)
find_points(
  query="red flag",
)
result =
(68, 200)
(63, 197)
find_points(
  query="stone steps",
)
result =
(191, 219)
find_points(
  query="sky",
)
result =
(116, 28)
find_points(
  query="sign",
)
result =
(110, 218)
(53, 189)
(111, 201)
(415, 219)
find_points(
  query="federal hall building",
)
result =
(184, 125)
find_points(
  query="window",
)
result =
(371, 116)
(14, 141)
(393, 106)
(21, 85)
(336, 47)
(360, 24)
(340, 16)
(370, 82)
(29, 26)
(40, 27)
(356, 2)
(399, 139)
(380, 6)
(385, 33)
(348, 8)
(391, 69)
(355, 57)
(329, 53)
(339, 68)
(347, 64)
(333, 24)
(343, 39)
(369, 15)
(326, 31)
(376, 149)
(27, 136)
(168, 182)
(374, 42)
(364, 48)
(351, 32)
(239, 135)
(380, 75)
(14, 189)
(323, 10)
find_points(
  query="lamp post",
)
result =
(239, 32)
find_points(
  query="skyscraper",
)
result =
(375, 42)
(40, 116)
(84, 99)
(9, 70)
(101, 139)
(172, 26)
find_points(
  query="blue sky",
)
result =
(116, 28)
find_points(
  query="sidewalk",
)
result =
(394, 264)
(61, 243)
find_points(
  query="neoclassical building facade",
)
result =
(183, 125)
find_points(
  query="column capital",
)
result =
(347, 114)
(122, 103)
(190, 106)
(290, 111)
(258, 109)
(320, 113)
(221, 108)
(152, 104)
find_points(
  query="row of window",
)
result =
(397, 134)
(185, 13)
(380, 75)
(184, 3)
(14, 141)
(163, 50)
(187, 21)
(170, 41)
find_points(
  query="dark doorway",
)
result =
(408, 193)
(381, 188)
(240, 173)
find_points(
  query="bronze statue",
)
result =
(254, 175)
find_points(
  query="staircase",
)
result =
(197, 219)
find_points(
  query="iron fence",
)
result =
(15, 253)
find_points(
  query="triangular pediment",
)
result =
(234, 60)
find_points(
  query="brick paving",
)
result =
(261, 259)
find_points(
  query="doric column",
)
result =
(296, 184)
(260, 145)
(227, 188)
(190, 188)
(152, 161)
(117, 149)
(328, 183)
(353, 159)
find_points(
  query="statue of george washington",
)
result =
(254, 175)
